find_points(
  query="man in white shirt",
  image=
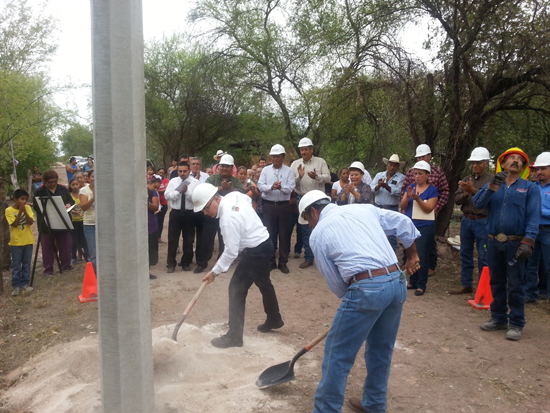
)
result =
(196, 165)
(310, 173)
(178, 194)
(243, 232)
(276, 184)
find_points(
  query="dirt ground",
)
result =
(443, 362)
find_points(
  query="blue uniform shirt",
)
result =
(513, 210)
(544, 203)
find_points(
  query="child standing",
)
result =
(20, 218)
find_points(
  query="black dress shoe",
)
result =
(198, 270)
(272, 266)
(170, 270)
(152, 277)
(226, 341)
(284, 269)
(186, 267)
(268, 326)
(419, 292)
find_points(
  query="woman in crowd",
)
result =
(152, 224)
(77, 216)
(419, 202)
(87, 203)
(163, 202)
(86, 178)
(356, 192)
(249, 186)
(89, 166)
(338, 185)
(173, 167)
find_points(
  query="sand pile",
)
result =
(190, 375)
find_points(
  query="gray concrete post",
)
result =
(121, 212)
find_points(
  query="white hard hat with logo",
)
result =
(308, 199)
(227, 160)
(423, 165)
(542, 160)
(479, 154)
(277, 150)
(304, 142)
(422, 150)
(201, 195)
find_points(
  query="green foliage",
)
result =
(77, 140)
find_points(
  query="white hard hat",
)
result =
(357, 165)
(277, 150)
(308, 199)
(423, 165)
(480, 154)
(201, 195)
(227, 160)
(542, 160)
(304, 142)
(422, 150)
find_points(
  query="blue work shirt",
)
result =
(351, 239)
(544, 203)
(513, 210)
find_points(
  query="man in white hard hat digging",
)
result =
(243, 232)
(473, 227)
(352, 252)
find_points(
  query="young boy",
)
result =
(20, 218)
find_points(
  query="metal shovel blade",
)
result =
(275, 375)
(284, 372)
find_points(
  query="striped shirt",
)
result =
(351, 239)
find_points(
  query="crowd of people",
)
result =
(348, 223)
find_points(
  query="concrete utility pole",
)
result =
(122, 260)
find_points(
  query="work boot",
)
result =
(355, 404)
(268, 326)
(514, 333)
(306, 264)
(492, 325)
(462, 290)
(16, 291)
(226, 341)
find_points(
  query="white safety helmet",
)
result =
(425, 166)
(277, 150)
(358, 165)
(479, 154)
(308, 199)
(542, 160)
(227, 160)
(422, 150)
(305, 142)
(201, 195)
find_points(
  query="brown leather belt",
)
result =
(505, 238)
(475, 216)
(374, 273)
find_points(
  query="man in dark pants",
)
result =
(243, 232)
(177, 196)
(276, 183)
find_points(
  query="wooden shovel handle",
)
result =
(316, 340)
(188, 310)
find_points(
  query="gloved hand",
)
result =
(499, 178)
(524, 252)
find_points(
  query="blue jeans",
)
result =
(472, 230)
(507, 283)
(21, 257)
(371, 311)
(89, 233)
(293, 221)
(542, 251)
(424, 245)
(306, 232)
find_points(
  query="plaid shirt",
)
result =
(436, 178)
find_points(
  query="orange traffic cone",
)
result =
(89, 288)
(484, 297)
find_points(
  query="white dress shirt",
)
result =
(269, 176)
(241, 228)
(306, 184)
(174, 197)
(203, 176)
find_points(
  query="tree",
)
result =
(77, 140)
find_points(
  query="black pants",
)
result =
(153, 249)
(175, 228)
(188, 237)
(201, 253)
(253, 268)
(277, 219)
(211, 227)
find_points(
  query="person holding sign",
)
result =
(419, 202)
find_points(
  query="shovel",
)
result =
(281, 373)
(188, 310)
